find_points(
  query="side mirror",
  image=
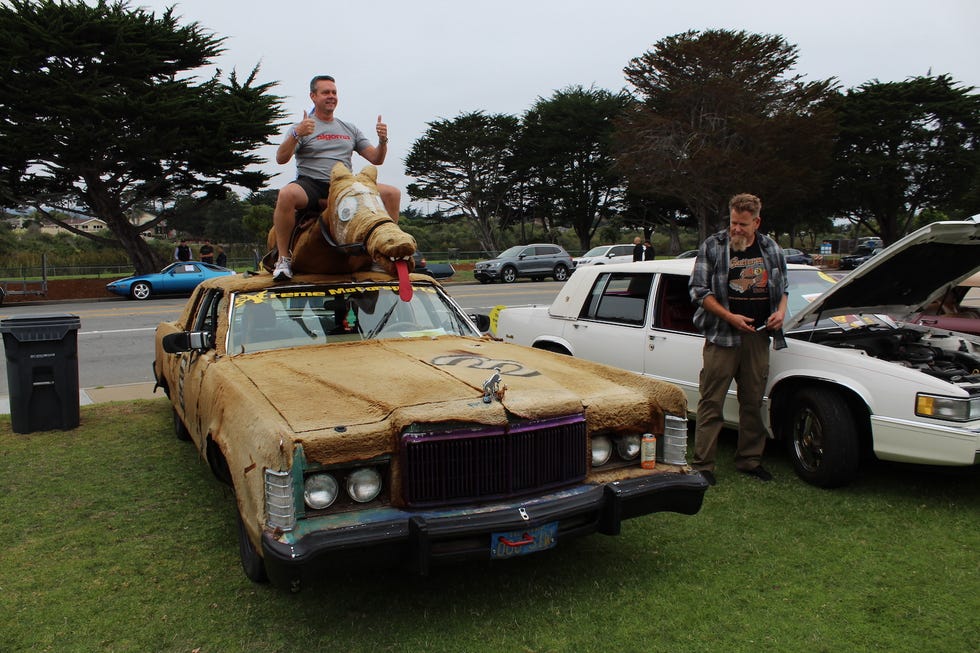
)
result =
(481, 320)
(178, 343)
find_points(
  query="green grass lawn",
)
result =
(118, 539)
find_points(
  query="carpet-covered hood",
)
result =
(304, 384)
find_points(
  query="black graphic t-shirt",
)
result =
(748, 282)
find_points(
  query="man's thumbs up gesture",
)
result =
(382, 130)
(305, 127)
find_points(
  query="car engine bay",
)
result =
(949, 356)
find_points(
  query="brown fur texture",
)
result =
(354, 215)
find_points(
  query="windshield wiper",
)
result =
(383, 322)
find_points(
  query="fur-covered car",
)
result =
(357, 427)
(857, 378)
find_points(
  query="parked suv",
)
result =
(606, 254)
(537, 261)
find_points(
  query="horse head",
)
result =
(353, 233)
(355, 219)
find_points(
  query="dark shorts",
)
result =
(316, 190)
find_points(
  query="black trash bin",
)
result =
(42, 371)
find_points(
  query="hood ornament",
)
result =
(491, 387)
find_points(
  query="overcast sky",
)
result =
(416, 62)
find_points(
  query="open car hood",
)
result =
(902, 278)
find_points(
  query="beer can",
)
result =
(648, 451)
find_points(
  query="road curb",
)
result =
(102, 394)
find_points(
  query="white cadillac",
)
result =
(856, 379)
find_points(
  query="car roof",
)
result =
(575, 291)
(897, 281)
(256, 282)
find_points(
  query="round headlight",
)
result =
(364, 485)
(628, 446)
(601, 450)
(320, 490)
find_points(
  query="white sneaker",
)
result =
(283, 271)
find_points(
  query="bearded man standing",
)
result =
(740, 285)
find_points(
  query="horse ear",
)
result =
(339, 171)
(370, 172)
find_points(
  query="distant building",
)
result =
(92, 225)
(95, 225)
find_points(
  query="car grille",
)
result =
(459, 465)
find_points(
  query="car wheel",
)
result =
(179, 429)
(252, 563)
(822, 437)
(508, 275)
(140, 290)
(552, 347)
(561, 273)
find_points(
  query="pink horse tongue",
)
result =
(404, 284)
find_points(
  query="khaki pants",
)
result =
(748, 365)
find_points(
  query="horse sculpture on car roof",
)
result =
(353, 233)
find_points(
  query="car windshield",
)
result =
(597, 251)
(804, 286)
(512, 252)
(297, 316)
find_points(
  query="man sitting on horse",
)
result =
(320, 141)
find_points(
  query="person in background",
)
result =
(319, 142)
(182, 252)
(648, 253)
(741, 287)
(637, 249)
(207, 252)
(220, 257)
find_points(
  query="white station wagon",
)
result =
(856, 379)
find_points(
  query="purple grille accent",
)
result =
(441, 467)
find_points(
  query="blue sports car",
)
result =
(175, 279)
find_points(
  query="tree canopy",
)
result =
(905, 147)
(718, 114)
(565, 150)
(466, 164)
(100, 113)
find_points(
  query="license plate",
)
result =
(522, 542)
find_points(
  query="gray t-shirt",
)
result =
(330, 143)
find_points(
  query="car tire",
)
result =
(180, 430)
(252, 563)
(552, 347)
(822, 437)
(560, 273)
(508, 274)
(141, 290)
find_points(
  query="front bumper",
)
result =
(417, 539)
(491, 274)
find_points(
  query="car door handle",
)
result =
(652, 340)
(579, 325)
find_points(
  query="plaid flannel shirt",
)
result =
(710, 277)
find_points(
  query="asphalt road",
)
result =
(115, 336)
